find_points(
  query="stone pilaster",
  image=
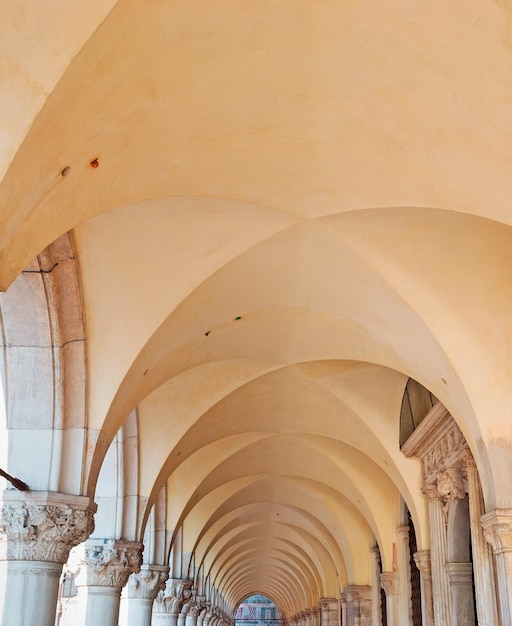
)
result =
(103, 570)
(37, 532)
(438, 543)
(497, 527)
(483, 567)
(139, 594)
(389, 582)
(422, 560)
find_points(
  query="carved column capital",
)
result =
(450, 484)
(497, 527)
(403, 531)
(43, 526)
(172, 597)
(389, 582)
(422, 560)
(109, 564)
(430, 490)
(148, 582)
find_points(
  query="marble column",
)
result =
(483, 567)
(37, 532)
(315, 616)
(139, 594)
(104, 569)
(497, 527)
(438, 554)
(461, 587)
(389, 582)
(422, 560)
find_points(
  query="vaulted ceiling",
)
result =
(281, 211)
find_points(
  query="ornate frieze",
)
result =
(438, 441)
(43, 526)
(147, 582)
(109, 564)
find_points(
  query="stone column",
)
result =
(497, 527)
(139, 594)
(438, 550)
(182, 615)
(202, 615)
(168, 602)
(461, 587)
(404, 615)
(37, 531)
(315, 616)
(329, 612)
(192, 615)
(389, 582)
(353, 612)
(483, 568)
(422, 560)
(104, 569)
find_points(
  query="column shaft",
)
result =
(438, 553)
(483, 568)
(37, 532)
(498, 532)
(422, 559)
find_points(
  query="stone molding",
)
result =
(34, 570)
(147, 582)
(109, 564)
(43, 526)
(389, 582)
(497, 526)
(326, 604)
(460, 574)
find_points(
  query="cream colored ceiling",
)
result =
(334, 174)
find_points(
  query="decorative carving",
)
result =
(497, 526)
(437, 440)
(109, 564)
(422, 560)
(449, 446)
(450, 486)
(148, 582)
(172, 597)
(37, 531)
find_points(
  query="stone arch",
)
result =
(44, 371)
